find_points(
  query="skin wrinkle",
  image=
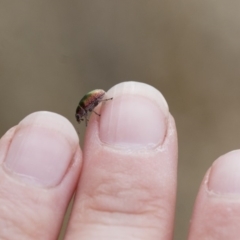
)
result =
(132, 235)
(146, 206)
(26, 216)
(19, 229)
(130, 226)
(107, 219)
(221, 221)
(17, 201)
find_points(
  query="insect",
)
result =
(88, 103)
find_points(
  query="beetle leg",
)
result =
(86, 121)
(86, 118)
(96, 113)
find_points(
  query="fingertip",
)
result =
(224, 177)
(137, 117)
(41, 149)
(52, 121)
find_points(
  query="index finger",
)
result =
(128, 183)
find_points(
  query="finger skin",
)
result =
(29, 210)
(125, 193)
(217, 209)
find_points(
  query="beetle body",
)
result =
(88, 103)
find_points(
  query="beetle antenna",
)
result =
(104, 100)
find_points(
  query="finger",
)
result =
(217, 208)
(40, 161)
(128, 184)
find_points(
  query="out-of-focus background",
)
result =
(53, 52)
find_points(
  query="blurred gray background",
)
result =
(53, 52)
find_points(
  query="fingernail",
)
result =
(136, 117)
(41, 149)
(225, 174)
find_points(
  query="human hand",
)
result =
(127, 187)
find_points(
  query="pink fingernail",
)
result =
(225, 174)
(135, 118)
(42, 149)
